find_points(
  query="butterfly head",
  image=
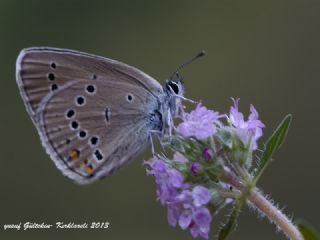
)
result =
(174, 89)
(174, 86)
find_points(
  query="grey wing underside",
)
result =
(122, 128)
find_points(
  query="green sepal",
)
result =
(215, 172)
(234, 148)
(225, 137)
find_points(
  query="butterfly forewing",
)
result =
(98, 116)
(41, 71)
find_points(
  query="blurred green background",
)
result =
(265, 52)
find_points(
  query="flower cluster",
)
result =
(212, 155)
(186, 202)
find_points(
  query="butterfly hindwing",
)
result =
(91, 137)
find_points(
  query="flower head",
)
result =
(208, 155)
(199, 123)
(186, 203)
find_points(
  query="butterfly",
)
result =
(93, 114)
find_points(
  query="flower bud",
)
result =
(195, 167)
(207, 153)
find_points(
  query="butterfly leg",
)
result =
(186, 99)
(181, 112)
(152, 145)
(161, 144)
(170, 122)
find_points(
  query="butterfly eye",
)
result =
(173, 86)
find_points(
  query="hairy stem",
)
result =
(274, 215)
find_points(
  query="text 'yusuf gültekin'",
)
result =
(57, 225)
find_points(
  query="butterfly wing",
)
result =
(102, 133)
(40, 71)
(90, 126)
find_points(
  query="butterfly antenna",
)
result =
(176, 72)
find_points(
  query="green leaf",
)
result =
(273, 144)
(308, 232)
(230, 225)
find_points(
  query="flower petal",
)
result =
(202, 217)
(194, 230)
(176, 178)
(185, 220)
(178, 157)
(201, 196)
(172, 216)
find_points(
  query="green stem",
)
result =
(274, 215)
